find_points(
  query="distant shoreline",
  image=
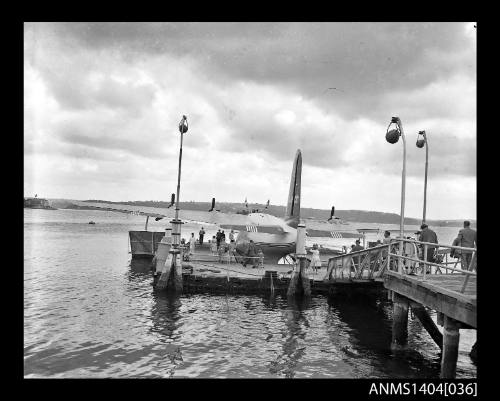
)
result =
(355, 216)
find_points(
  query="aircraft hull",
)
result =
(274, 246)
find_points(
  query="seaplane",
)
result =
(275, 236)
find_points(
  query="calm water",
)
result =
(89, 313)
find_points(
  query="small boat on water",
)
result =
(91, 222)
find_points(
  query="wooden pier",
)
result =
(204, 273)
(446, 289)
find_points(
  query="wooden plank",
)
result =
(434, 285)
(450, 303)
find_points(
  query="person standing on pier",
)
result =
(260, 255)
(223, 237)
(250, 255)
(315, 261)
(231, 236)
(192, 241)
(232, 248)
(217, 237)
(213, 245)
(427, 235)
(202, 234)
(387, 237)
(355, 248)
(467, 238)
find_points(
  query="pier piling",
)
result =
(299, 282)
(451, 337)
(473, 352)
(399, 322)
(422, 315)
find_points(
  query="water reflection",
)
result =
(366, 319)
(165, 314)
(293, 348)
(369, 324)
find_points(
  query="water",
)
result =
(89, 312)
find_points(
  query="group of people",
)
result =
(218, 245)
(466, 238)
(223, 250)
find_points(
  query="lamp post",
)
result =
(176, 223)
(173, 264)
(420, 144)
(392, 136)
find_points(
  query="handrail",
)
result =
(434, 264)
(362, 251)
(355, 264)
(433, 244)
(426, 245)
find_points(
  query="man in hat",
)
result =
(427, 235)
(202, 234)
(467, 237)
(357, 247)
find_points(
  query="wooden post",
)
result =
(146, 226)
(451, 338)
(306, 283)
(428, 323)
(473, 352)
(425, 260)
(399, 322)
(299, 282)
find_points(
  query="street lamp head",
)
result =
(421, 141)
(393, 135)
(183, 125)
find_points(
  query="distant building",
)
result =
(37, 203)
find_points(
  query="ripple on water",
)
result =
(89, 313)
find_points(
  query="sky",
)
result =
(102, 104)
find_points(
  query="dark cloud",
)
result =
(364, 60)
(330, 148)
(253, 93)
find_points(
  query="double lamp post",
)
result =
(392, 136)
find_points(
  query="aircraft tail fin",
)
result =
(292, 214)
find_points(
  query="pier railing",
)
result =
(365, 264)
(426, 258)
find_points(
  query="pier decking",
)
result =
(440, 292)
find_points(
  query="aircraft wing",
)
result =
(253, 228)
(332, 234)
(139, 210)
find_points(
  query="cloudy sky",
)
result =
(102, 102)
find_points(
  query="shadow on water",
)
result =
(165, 314)
(139, 275)
(141, 266)
(369, 324)
(297, 325)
